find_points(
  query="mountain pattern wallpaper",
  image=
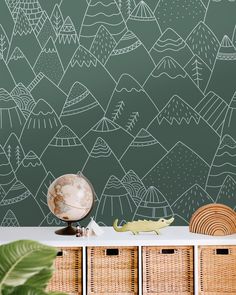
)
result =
(138, 96)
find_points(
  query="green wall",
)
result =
(138, 96)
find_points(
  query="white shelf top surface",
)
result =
(170, 236)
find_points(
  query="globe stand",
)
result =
(67, 231)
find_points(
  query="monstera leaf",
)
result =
(26, 267)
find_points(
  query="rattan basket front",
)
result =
(67, 276)
(112, 270)
(168, 270)
(217, 270)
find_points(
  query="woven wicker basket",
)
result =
(67, 276)
(112, 270)
(217, 270)
(168, 270)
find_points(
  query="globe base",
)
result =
(66, 231)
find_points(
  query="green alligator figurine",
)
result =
(143, 225)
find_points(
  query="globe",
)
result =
(70, 198)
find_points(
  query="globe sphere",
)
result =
(70, 197)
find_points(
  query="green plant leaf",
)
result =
(22, 260)
(40, 280)
(28, 290)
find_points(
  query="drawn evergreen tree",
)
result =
(103, 44)
(4, 43)
(14, 151)
(57, 19)
(198, 71)
(118, 110)
(18, 154)
(126, 7)
(9, 152)
(133, 119)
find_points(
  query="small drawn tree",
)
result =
(57, 19)
(4, 44)
(198, 71)
(126, 7)
(9, 152)
(118, 110)
(133, 119)
(18, 155)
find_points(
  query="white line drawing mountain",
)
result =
(76, 9)
(222, 81)
(116, 136)
(90, 72)
(171, 44)
(194, 198)
(121, 109)
(142, 22)
(103, 44)
(101, 164)
(102, 12)
(23, 99)
(153, 206)
(24, 37)
(20, 200)
(178, 121)
(223, 164)
(11, 117)
(44, 88)
(134, 186)
(10, 219)
(49, 62)
(7, 176)
(44, 29)
(40, 127)
(125, 55)
(227, 192)
(31, 172)
(67, 41)
(177, 171)
(20, 67)
(115, 202)
(204, 43)
(65, 153)
(168, 79)
(179, 13)
(135, 156)
(81, 110)
(31, 9)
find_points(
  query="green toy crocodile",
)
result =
(143, 225)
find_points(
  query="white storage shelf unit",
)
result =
(171, 236)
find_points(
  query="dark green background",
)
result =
(136, 95)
